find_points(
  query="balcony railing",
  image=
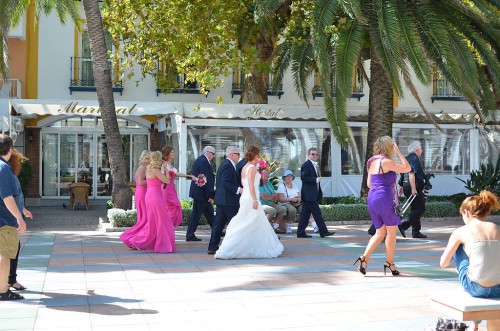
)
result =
(10, 88)
(239, 81)
(82, 76)
(172, 82)
(444, 91)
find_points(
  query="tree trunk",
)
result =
(121, 195)
(380, 110)
(257, 82)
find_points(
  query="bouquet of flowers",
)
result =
(262, 165)
(171, 174)
(201, 180)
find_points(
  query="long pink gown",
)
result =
(158, 235)
(169, 192)
(140, 207)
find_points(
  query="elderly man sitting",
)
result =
(269, 201)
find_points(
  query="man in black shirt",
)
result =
(413, 184)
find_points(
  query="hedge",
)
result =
(336, 212)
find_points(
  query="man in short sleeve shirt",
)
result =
(11, 219)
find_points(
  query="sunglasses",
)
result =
(314, 153)
(235, 154)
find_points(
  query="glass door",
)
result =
(50, 166)
(67, 157)
(85, 158)
(103, 168)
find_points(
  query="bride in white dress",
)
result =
(249, 234)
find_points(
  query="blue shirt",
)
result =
(267, 189)
(9, 186)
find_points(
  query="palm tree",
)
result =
(121, 193)
(399, 37)
(11, 13)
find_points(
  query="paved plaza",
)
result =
(86, 279)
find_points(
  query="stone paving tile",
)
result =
(91, 281)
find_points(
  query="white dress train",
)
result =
(249, 234)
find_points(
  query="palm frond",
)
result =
(353, 9)
(487, 98)
(281, 63)
(302, 63)
(412, 45)
(335, 109)
(264, 8)
(465, 59)
(382, 30)
(350, 42)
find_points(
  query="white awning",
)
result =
(31, 108)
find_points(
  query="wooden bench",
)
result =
(459, 305)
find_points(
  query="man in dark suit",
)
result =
(227, 196)
(311, 193)
(202, 195)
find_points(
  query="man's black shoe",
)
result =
(328, 234)
(194, 238)
(420, 236)
(305, 235)
(211, 252)
(402, 231)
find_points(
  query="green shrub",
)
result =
(120, 218)
(187, 204)
(349, 212)
(356, 212)
(186, 215)
(25, 174)
(440, 209)
(109, 204)
(486, 178)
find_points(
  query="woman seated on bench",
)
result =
(475, 247)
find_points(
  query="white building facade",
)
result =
(56, 118)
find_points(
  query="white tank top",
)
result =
(484, 261)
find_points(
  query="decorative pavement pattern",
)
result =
(89, 280)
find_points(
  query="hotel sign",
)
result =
(74, 108)
(260, 111)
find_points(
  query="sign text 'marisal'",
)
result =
(73, 108)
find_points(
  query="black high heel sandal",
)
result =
(361, 268)
(388, 265)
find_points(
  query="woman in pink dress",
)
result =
(169, 191)
(140, 204)
(158, 235)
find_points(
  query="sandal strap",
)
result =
(9, 295)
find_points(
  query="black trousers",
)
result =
(417, 210)
(13, 266)
(199, 207)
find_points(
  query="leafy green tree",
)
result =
(200, 41)
(403, 40)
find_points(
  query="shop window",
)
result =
(443, 90)
(81, 70)
(357, 85)
(168, 80)
(442, 153)
(489, 146)
(288, 145)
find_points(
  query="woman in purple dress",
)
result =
(169, 191)
(158, 235)
(140, 204)
(382, 198)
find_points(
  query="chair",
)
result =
(79, 193)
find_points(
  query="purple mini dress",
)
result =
(381, 200)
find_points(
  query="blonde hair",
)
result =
(155, 160)
(144, 156)
(384, 145)
(480, 205)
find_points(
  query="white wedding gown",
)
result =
(249, 234)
